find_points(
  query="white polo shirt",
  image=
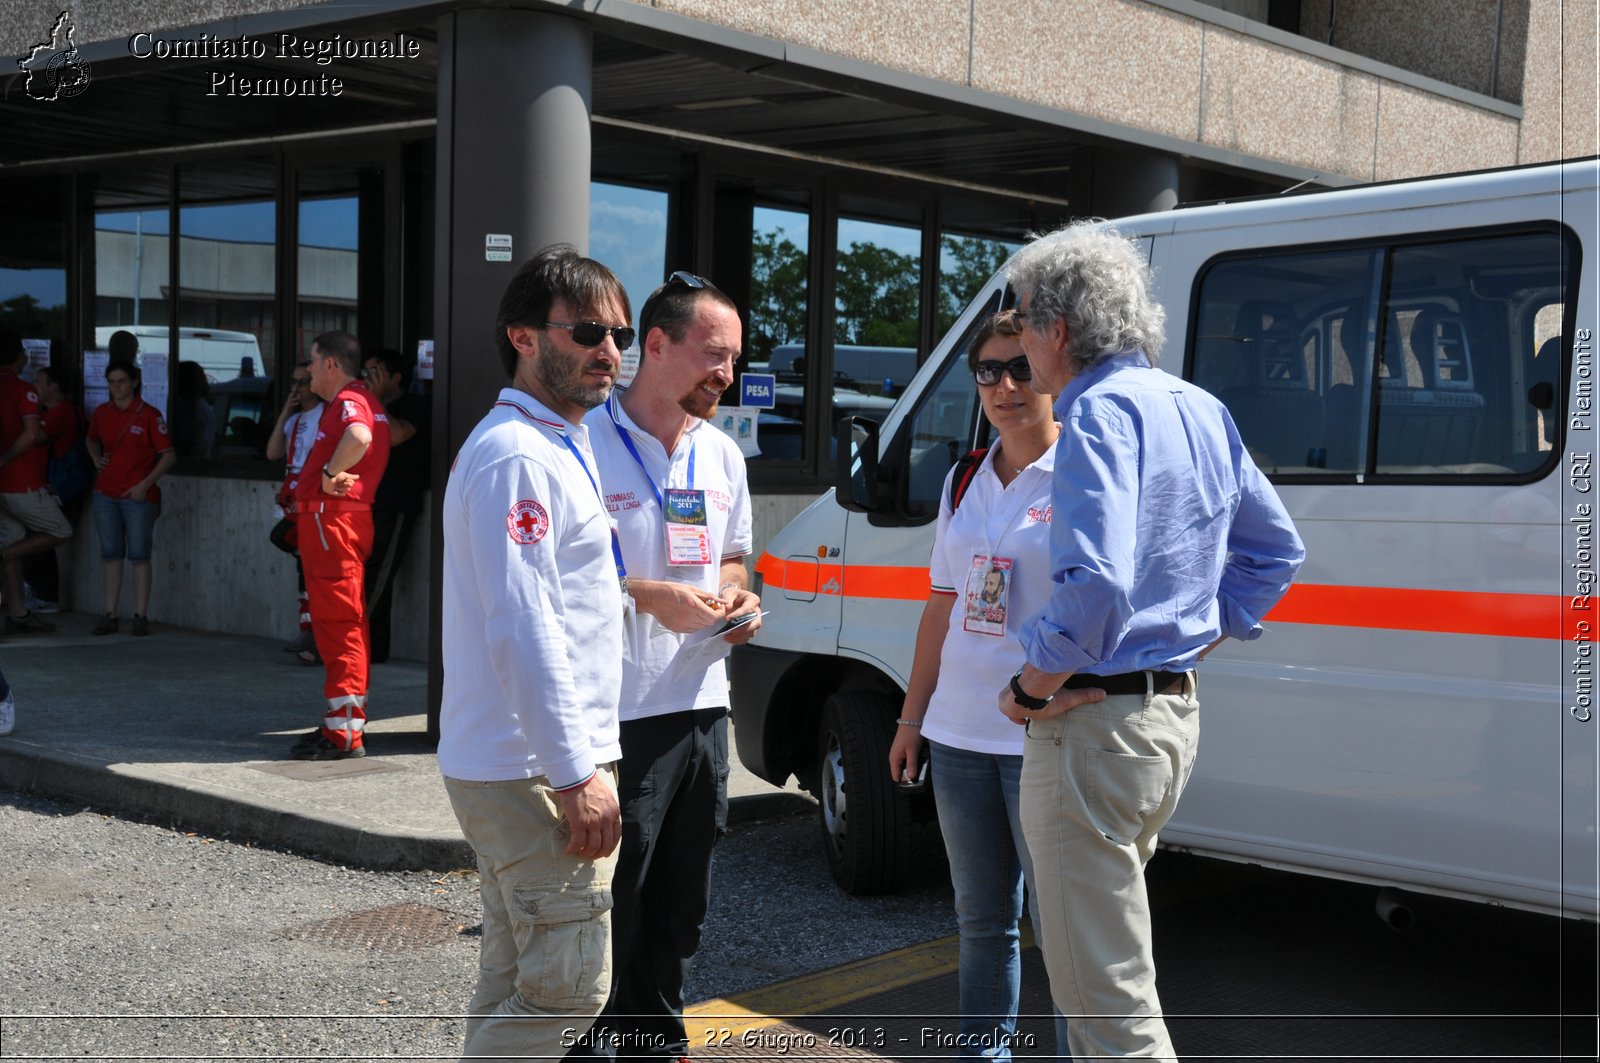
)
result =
(707, 460)
(299, 433)
(1011, 523)
(533, 612)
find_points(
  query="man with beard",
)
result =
(533, 595)
(676, 487)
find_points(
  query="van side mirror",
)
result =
(856, 464)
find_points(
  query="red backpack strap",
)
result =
(966, 468)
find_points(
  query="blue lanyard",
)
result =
(628, 442)
(616, 547)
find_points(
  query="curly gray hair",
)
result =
(1096, 280)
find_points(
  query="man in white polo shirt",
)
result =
(676, 487)
(533, 640)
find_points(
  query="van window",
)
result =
(1427, 359)
(942, 427)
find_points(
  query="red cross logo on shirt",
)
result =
(527, 522)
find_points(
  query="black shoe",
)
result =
(27, 624)
(323, 749)
(107, 626)
(302, 641)
(306, 741)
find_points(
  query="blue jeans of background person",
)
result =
(978, 795)
(126, 527)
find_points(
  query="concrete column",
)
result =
(1128, 182)
(513, 160)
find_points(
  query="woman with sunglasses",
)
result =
(996, 535)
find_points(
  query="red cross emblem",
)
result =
(527, 522)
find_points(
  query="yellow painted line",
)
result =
(725, 1019)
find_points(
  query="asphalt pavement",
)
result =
(191, 729)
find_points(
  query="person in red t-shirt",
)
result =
(63, 424)
(30, 517)
(333, 512)
(130, 444)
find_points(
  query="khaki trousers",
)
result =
(544, 968)
(1098, 784)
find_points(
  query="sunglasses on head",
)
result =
(593, 334)
(988, 373)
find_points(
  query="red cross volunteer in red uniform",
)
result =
(333, 503)
(30, 517)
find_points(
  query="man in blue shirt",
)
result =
(1165, 539)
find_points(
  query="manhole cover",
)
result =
(322, 770)
(392, 928)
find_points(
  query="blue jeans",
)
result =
(124, 525)
(977, 796)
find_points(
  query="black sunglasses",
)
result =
(593, 334)
(988, 373)
(688, 280)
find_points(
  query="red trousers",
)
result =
(334, 549)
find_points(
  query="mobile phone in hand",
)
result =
(909, 784)
(736, 622)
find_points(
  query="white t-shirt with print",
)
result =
(1011, 523)
(632, 488)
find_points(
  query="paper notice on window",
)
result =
(740, 424)
(424, 359)
(38, 357)
(94, 380)
(153, 381)
(630, 366)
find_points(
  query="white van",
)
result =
(223, 353)
(1412, 363)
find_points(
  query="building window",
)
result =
(628, 232)
(778, 343)
(227, 306)
(33, 265)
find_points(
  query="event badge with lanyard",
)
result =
(616, 547)
(683, 509)
(989, 579)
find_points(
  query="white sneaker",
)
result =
(8, 713)
(39, 605)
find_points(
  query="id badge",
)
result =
(688, 536)
(988, 587)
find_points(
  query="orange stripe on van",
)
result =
(1529, 616)
(907, 583)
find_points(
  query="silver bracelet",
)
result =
(909, 723)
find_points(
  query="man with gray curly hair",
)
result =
(1165, 539)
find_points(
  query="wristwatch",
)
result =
(1025, 699)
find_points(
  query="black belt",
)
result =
(1128, 682)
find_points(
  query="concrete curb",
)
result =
(181, 805)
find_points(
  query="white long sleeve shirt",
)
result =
(533, 611)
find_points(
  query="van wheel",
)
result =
(866, 822)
